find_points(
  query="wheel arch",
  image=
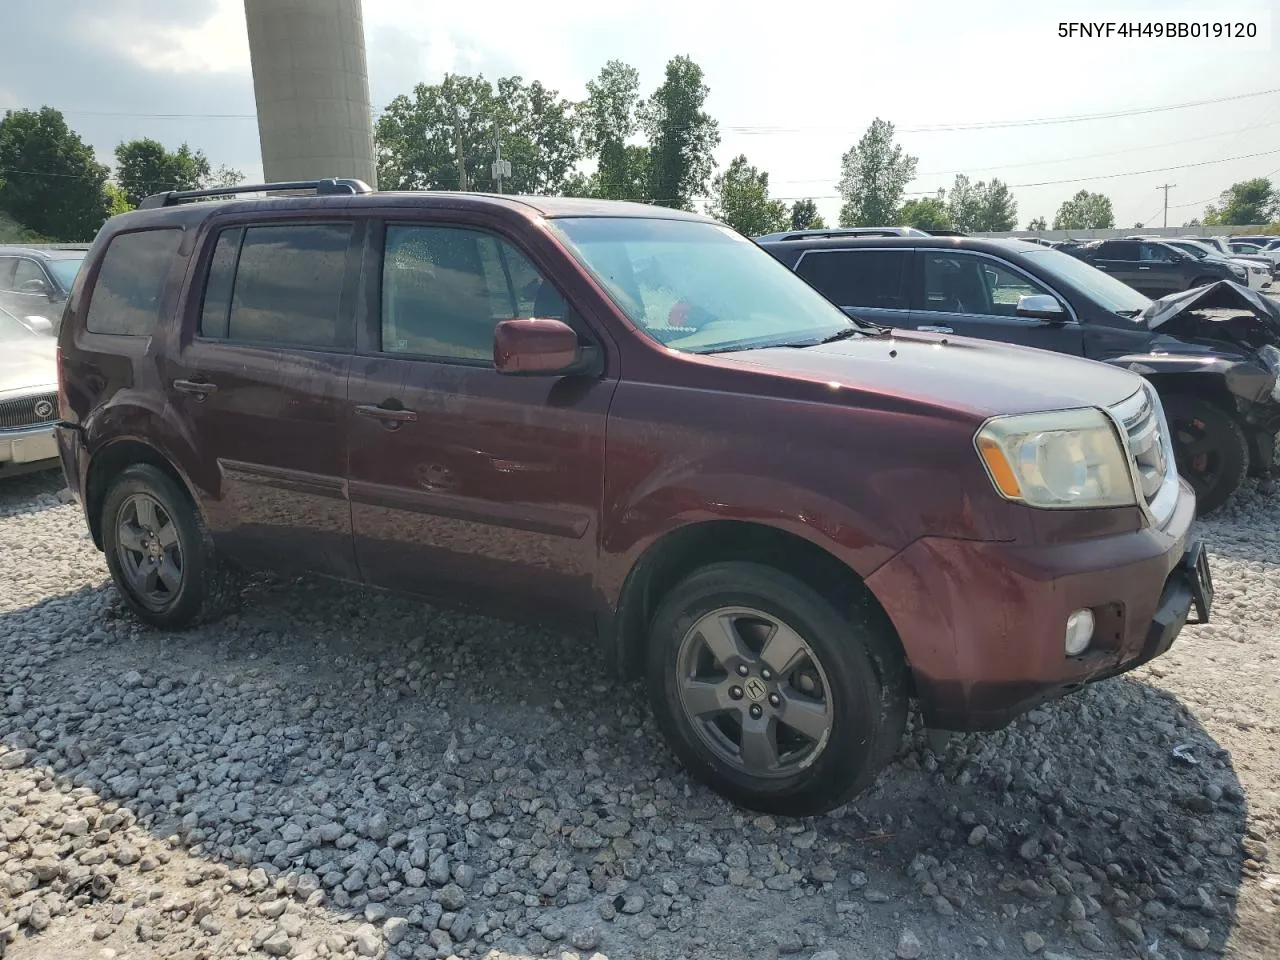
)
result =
(676, 554)
(109, 461)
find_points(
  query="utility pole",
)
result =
(462, 158)
(1166, 187)
(501, 168)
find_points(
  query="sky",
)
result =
(792, 86)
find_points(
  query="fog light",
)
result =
(1079, 632)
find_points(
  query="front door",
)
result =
(259, 383)
(468, 485)
(868, 283)
(977, 296)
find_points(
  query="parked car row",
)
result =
(34, 282)
(633, 420)
(28, 395)
(1214, 359)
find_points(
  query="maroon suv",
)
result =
(631, 420)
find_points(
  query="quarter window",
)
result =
(130, 286)
(859, 278)
(277, 284)
(444, 289)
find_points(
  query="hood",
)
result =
(1227, 299)
(980, 377)
(28, 363)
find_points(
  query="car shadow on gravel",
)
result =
(434, 765)
(30, 492)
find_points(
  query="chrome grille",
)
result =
(1141, 417)
(31, 411)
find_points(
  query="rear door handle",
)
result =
(1144, 268)
(197, 388)
(386, 413)
(930, 329)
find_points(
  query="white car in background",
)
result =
(28, 395)
(1243, 248)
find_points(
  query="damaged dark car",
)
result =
(1213, 352)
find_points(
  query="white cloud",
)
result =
(218, 44)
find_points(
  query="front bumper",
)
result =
(30, 448)
(983, 623)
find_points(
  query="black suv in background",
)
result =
(1155, 268)
(36, 282)
(1215, 369)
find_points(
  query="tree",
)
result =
(804, 216)
(53, 184)
(608, 121)
(982, 207)
(926, 213)
(998, 211)
(1085, 211)
(873, 175)
(144, 167)
(1038, 224)
(740, 198)
(1246, 202)
(421, 135)
(1137, 226)
(681, 136)
(117, 201)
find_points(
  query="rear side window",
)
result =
(859, 278)
(277, 284)
(130, 286)
(1117, 250)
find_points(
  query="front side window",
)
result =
(964, 283)
(29, 278)
(860, 278)
(444, 290)
(1156, 253)
(130, 286)
(699, 287)
(277, 284)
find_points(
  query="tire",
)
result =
(853, 674)
(203, 587)
(1210, 448)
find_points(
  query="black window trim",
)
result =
(168, 296)
(909, 251)
(369, 324)
(345, 326)
(1039, 281)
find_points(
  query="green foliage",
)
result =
(1085, 211)
(144, 167)
(1038, 224)
(681, 136)
(117, 200)
(53, 184)
(873, 175)
(982, 207)
(805, 216)
(419, 135)
(1246, 202)
(926, 213)
(740, 198)
(608, 121)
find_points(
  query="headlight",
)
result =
(1060, 460)
(1239, 271)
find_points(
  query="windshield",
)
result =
(11, 328)
(65, 270)
(1106, 290)
(700, 287)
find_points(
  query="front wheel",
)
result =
(1210, 448)
(770, 695)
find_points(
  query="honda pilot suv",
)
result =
(633, 421)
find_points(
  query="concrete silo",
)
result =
(312, 86)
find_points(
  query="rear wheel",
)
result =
(159, 553)
(1210, 448)
(1202, 282)
(771, 696)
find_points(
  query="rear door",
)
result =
(469, 485)
(259, 381)
(1120, 259)
(976, 295)
(869, 283)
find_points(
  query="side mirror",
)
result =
(35, 285)
(38, 324)
(1041, 306)
(538, 346)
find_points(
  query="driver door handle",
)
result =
(934, 329)
(197, 388)
(386, 413)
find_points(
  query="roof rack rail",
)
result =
(327, 187)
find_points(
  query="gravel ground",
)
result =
(335, 773)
